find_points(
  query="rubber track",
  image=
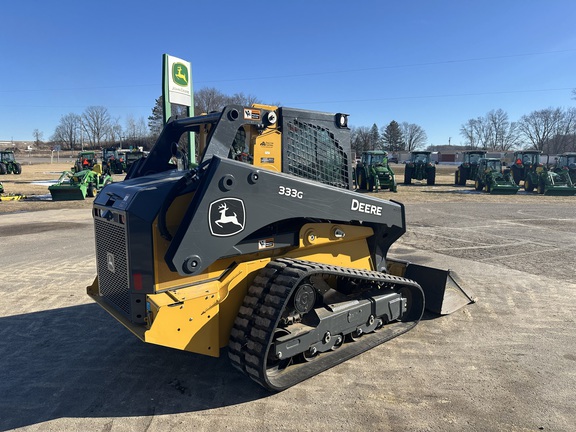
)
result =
(262, 308)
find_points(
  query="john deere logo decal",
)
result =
(110, 262)
(180, 74)
(226, 217)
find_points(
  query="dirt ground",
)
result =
(35, 174)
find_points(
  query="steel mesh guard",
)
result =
(312, 152)
(112, 264)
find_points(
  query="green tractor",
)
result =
(469, 166)
(8, 164)
(420, 167)
(524, 161)
(537, 176)
(131, 157)
(491, 177)
(373, 172)
(112, 162)
(78, 185)
(566, 162)
(85, 160)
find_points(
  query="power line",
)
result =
(433, 96)
(391, 98)
(375, 68)
(307, 74)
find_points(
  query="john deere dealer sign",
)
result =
(180, 82)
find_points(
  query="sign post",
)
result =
(177, 89)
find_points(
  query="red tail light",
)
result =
(137, 278)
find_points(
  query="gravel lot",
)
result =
(505, 363)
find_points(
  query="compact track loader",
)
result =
(263, 247)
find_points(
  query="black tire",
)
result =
(516, 175)
(3, 169)
(431, 178)
(528, 186)
(91, 191)
(462, 177)
(457, 177)
(362, 180)
(478, 185)
(407, 176)
(541, 188)
(17, 168)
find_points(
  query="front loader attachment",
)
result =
(559, 184)
(560, 191)
(443, 291)
(504, 189)
(67, 192)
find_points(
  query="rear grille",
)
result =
(112, 264)
(314, 153)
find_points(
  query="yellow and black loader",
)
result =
(263, 247)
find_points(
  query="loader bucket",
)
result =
(504, 190)
(67, 192)
(560, 191)
(443, 290)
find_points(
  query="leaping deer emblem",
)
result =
(226, 219)
(180, 75)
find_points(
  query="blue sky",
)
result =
(433, 63)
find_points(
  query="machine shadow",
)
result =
(76, 362)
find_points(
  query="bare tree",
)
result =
(511, 138)
(69, 130)
(540, 126)
(492, 132)
(37, 136)
(96, 124)
(474, 133)
(361, 139)
(242, 99)
(499, 133)
(564, 137)
(114, 131)
(210, 99)
(135, 129)
(414, 136)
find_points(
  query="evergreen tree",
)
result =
(374, 137)
(392, 137)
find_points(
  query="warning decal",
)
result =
(251, 114)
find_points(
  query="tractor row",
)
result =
(114, 161)
(373, 172)
(488, 173)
